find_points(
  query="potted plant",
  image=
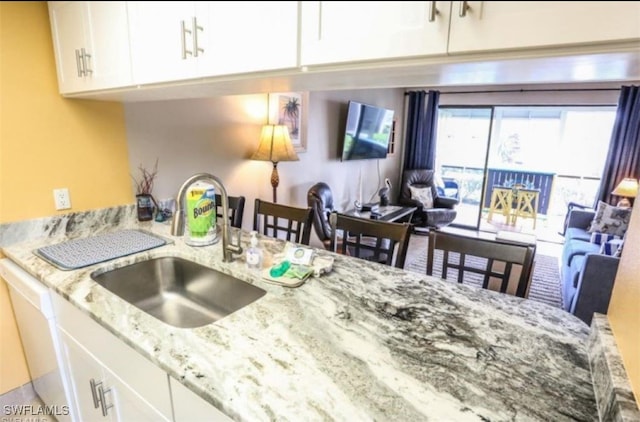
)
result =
(145, 203)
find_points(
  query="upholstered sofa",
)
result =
(587, 274)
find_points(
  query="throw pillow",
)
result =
(601, 238)
(423, 195)
(610, 219)
(612, 248)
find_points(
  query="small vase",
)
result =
(144, 205)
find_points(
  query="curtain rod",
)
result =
(527, 90)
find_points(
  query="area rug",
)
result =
(545, 282)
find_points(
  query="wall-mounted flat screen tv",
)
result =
(367, 132)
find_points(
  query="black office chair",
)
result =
(236, 209)
(482, 254)
(320, 198)
(358, 233)
(273, 220)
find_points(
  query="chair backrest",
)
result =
(236, 209)
(495, 254)
(373, 240)
(320, 198)
(419, 178)
(273, 220)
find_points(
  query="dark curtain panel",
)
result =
(623, 159)
(422, 124)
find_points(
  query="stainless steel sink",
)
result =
(179, 292)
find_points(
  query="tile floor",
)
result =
(22, 404)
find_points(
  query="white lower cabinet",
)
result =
(188, 406)
(101, 395)
(113, 382)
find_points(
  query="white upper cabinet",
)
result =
(497, 25)
(104, 45)
(91, 44)
(335, 32)
(162, 39)
(251, 36)
(338, 32)
(183, 40)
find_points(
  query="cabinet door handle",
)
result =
(78, 63)
(196, 28)
(93, 384)
(463, 9)
(433, 11)
(319, 20)
(183, 34)
(87, 69)
(103, 400)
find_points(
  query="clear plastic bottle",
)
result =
(254, 253)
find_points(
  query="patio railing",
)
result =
(556, 191)
(530, 179)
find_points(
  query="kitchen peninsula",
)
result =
(364, 342)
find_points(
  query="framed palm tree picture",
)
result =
(290, 109)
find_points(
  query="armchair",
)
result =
(441, 214)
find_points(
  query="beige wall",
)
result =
(48, 142)
(218, 135)
(624, 308)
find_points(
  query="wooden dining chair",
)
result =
(276, 220)
(497, 259)
(236, 209)
(373, 240)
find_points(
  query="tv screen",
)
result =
(367, 132)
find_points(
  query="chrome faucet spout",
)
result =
(177, 225)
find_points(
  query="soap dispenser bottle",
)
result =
(254, 253)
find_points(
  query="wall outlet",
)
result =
(61, 197)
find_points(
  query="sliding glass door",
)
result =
(557, 150)
(462, 146)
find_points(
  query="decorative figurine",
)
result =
(383, 193)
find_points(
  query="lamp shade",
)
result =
(627, 188)
(275, 145)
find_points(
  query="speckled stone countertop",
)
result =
(364, 342)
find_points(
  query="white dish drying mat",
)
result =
(79, 253)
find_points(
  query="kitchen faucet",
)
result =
(177, 225)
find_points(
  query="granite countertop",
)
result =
(364, 342)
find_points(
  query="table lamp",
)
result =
(628, 188)
(275, 146)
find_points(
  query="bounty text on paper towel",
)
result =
(201, 215)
